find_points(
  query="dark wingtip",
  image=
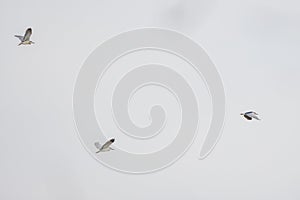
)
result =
(112, 140)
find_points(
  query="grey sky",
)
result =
(255, 46)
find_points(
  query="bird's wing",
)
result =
(107, 144)
(98, 145)
(247, 117)
(27, 34)
(20, 37)
(248, 113)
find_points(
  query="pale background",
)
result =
(255, 45)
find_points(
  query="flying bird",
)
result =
(105, 147)
(25, 40)
(250, 115)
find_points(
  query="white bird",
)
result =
(250, 115)
(26, 38)
(105, 147)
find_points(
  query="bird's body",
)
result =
(105, 147)
(25, 40)
(250, 115)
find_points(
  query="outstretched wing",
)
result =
(108, 143)
(247, 117)
(98, 145)
(249, 113)
(27, 34)
(20, 37)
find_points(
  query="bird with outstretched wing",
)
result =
(250, 115)
(105, 147)
(26, 38)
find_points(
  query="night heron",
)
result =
(250, 115)
(25, 40)
(105, 147)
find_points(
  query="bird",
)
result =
(25, 40)
(105, 147)
(250, 115)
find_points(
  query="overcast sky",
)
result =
(255, 46)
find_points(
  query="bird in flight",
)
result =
(250, 115)
(105, 147)
(25, 40)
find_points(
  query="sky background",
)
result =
(255, 46)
